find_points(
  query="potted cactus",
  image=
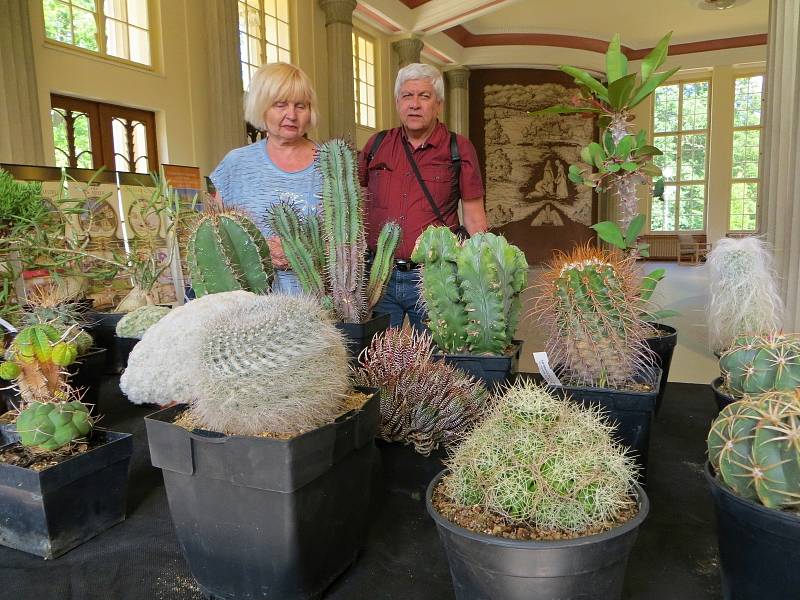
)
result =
(538, 502)
(328, 251)
(62, 481)
(271, 427)
(472, 294)
(753, 471)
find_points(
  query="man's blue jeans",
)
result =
(402, 298)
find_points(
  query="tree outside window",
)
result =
(745, 176)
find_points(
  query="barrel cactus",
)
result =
(589, 303)
(542, 462)
(135, 323)
(227, 252)
(472, 290)
(423, 402)
(52, 425)
(758, 364)
(754, 446)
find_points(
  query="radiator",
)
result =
(662, 246)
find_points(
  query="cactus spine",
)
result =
(472, 291)
(138, 321)
(758, 364)
(227, 252)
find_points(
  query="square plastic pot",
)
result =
(493, 371)
(359, 335)
(663, 346)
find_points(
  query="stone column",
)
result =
(780, 160)
(458, 100)
(341, 104)
(20, 121)
(408, 51)
(225, 95)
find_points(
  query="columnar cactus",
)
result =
(472, 291)
(52, 425)
(754, 446)
(590, 306)
(758, 364)
(542, 462)
(137, 322)
(227, 252)
(423, 402)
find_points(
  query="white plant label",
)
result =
(540, 358)
(8, 326)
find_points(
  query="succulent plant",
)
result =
(227, 252)
(542, 462)
(472, 290)
(135, 323)
(744, 298)
(754, 446)
(590, 306)
(52, 425)
(423, 402)
(759, 364)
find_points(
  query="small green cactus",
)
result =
(542, 462)
(227, 252)
(138, 321)
(472, 291)
(758, 364)
(754, 446)
(50, 426)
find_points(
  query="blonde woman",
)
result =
(282, 102)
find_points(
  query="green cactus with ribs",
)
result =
(471, 290)
(135, 323)
(758, 364)
(754, 447)
(52, 425)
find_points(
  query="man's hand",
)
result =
(276, 253)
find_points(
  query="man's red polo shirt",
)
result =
(394, 194)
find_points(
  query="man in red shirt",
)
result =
(395, 193)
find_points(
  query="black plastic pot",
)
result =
(485, 567)
(406, 471)
(267, 518)
(494, 371)
(49, 512)
(663, 346)
(359, 335)
(758, 547)
(103, 328)
(722, 398)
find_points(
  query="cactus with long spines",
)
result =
(52, 425)
(472, 290)
(754, 446)
(758, 364)
(227, 252)
(135, 323)
(382, 264)
(589, 305)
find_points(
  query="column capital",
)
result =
(338, 11)
(458, 77)
(408, 50)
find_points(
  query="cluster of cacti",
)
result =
(135, 323)
(52, 425)
(227, 252)
(744, 298)
(246, 363)
(328, 254)
(754, 446)
(471, 290)
(759, 364)
(54, 305)
(423, 402)
(590, 306)
(542, 462)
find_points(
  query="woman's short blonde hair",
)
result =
(278, 82)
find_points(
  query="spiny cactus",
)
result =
(744, 298)
(423, 402)
(135, 323)
(758, 364)
(589, 304)
(754, 446)
(542, 462)
(227, 252)
(52, 425)
(472, 291)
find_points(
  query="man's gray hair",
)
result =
(420, 71)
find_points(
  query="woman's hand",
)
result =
(276, 253)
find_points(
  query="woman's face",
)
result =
(288, 120)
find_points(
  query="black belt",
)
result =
(405, 265)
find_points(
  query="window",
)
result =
(263, 34)
(680, 131)
(745, 177)
(93, 134)
(364, 79)
(118, 28)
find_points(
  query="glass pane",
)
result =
(695, 105)
(668, 161)
(61, 158)
(744, 204)
(140, 147)
(140, 45)
(362, 91)
(244, 55)
(59, 136)
(120, 135)
(370, 53)
(371, 117)
(56, 21)
(137, 13)
(84, 26)
(283, 10)
(269, 7)
(371, 95)
(662, 215)
(245, 75)
(692, 206)
(83, 141)
(115, 9)
(371, 75)
(253, 24)
(363, 116)
(693, 157)
(117, 38)
(745, 153)
(254, 51)
(283, 35)
(665, 113)
(87, 4)
(121, 163)
(747, 101)
(284, 55)
(242, 17)
(271, 30)
(85, 160)
(272, 53)
(253, 3)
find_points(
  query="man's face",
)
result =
(417, 105)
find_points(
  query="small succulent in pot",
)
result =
(762, 363)
(50, 426)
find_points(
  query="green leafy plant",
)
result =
(759, 364)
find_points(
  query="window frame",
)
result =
(263, 42)
(359, 33)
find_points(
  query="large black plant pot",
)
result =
(49, 512)
(485, 567)
(720, 396)
(359, 335)
(758, 547)
(663, 346)
(493, 371)
(267, 518)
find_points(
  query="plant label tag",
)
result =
(8, 326)
(540, 358)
